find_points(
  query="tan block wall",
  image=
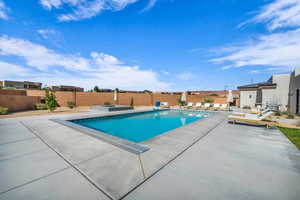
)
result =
(13, 92)
(64, 97)
(18, 102)
(38, 93)
(93, 98)
(195, 98)
(201, 98)
(170, 98)
(238, 103)
(220, 100)
(138, 99)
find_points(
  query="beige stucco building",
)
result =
(21, 84)
(280, 89)
(294, 96)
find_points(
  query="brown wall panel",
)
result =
(18, 102)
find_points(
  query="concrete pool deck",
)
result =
(40, 159)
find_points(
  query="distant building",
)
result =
(21, 84)
(66, 88)
(134, 91)
(281, 90)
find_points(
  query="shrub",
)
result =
(213, 95)
(290, 116)
(9, 88)
(71, 104)
(40, 106)
(3, 110)
(277, 114)
(208, 100)
(50, 100)
(131, 102)
(181, 103)
(96, 89)
(247, 107)
(107, 103)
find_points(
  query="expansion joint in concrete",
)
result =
(67, 161)
(178, 155)
(142, 166)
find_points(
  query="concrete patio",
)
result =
(40, 159)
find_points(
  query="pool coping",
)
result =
(116, 141)
(133, 147)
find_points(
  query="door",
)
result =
(297, 102)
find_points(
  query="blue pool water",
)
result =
(139, 127)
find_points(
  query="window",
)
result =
(250, 96)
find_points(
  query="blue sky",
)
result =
(148, 44)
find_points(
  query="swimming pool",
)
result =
(138, 127)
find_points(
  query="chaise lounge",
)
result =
(198, 105)
(206, 106)
(252, 119)
(216, 106)
(164, 105)
(189, 105)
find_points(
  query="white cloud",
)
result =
(166, 72)
(279, 14)
(3, 10)
(150, 5)
(84, 9)
(46, 33)
(98, 69)
(277, 50)
(39, 56)
(10, 69)
(185, 76)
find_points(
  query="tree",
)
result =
(131, 101)
(50, 100)
(96, 89)
(208, 100)
(181, 103)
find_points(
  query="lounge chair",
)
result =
(198, 105)
(254, 110)
(206, 106)
(190, 105)
(243, 114)
(216, 106)
(224, 107)
(252, 119)
(164, 105)
(157, 105)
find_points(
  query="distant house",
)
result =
(281, 90)
(21, 84)
(66, 88)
